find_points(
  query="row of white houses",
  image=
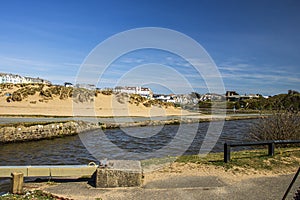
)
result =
(144, 92)
(17, 79)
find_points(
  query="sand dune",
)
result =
(102, 105)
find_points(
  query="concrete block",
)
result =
(119, 173)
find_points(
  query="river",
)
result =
(70, 150)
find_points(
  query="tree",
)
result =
(282, 125)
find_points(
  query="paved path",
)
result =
(178, 187)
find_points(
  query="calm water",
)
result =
(70, 150)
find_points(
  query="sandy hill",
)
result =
(50, 100)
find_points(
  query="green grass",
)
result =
(284, 158)
(157, 161)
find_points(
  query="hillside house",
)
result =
(17, 79)
(144, 92)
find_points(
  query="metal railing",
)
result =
(269, 143)
(291, 185)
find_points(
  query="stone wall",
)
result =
(37, 132)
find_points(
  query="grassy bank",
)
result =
(284, 160)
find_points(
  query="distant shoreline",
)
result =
(9, 119)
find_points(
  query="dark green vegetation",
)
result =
(282, 122)
(289, 101)
(37, 195)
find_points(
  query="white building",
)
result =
(36, 80)
(11, 78)
(212, 97)
(86, 86)
(185, 99)
(165, 98)
(144, 92)
(16, 79)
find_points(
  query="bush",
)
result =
(8, 99)
(65, 93)
(204, 104)
(147, 104)
(282, 125)
(31, 91)
(107, 92)
(16, 96)
(46, 93)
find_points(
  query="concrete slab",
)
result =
(186, 182)
(267, 188)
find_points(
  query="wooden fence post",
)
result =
(17, 183)
(271, 148)
(226, 153)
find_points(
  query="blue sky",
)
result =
(255, 44)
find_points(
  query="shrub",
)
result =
(107, 92)
(282, 125)
(46, 93)
(8, 99)
(147, 104)
(204, 104)
(16, 96)
(65, 93)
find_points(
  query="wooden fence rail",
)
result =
(269, 143)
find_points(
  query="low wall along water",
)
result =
(21, 133)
